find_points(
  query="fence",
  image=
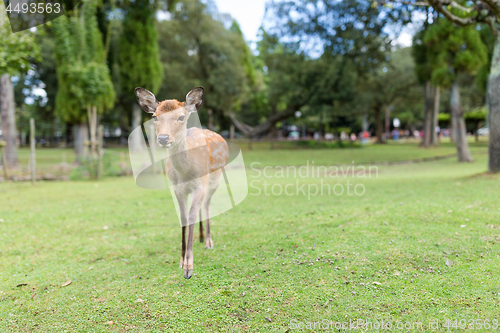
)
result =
(60, 163)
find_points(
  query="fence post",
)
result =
(4, 159)
(231, 131)
(32, 151)
(152, 142)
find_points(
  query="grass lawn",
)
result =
(421, 243)
(48, 159)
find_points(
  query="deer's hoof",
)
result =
(209, 244)
(202, 239)
(188, 273)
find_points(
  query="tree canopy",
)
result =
(83, 75)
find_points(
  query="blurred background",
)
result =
(277, 75)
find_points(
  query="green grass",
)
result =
(392, 152)
(48, 159)
(378, 256)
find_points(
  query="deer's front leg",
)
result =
(182, 200)
(196, 204)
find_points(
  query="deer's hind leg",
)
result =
(213, 185)
(197, 202)
(208, 239)
(202, 236)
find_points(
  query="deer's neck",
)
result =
(179, 155)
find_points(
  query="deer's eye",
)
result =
(155, 118)
(181, 118)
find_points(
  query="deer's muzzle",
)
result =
(163, 139)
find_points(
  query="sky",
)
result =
(248, 14)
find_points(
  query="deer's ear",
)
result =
(195, 97)
(146, 99)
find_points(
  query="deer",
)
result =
(195, 158)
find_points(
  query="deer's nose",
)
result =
(163, 139)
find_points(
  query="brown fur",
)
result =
(167, 106)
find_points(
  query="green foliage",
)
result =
(394, 85)
(452, 50)
(317, 87)
(83, 75)
(350, 28)
(16, 50)
(444, 117)
(488, 39)
(138, 57)
(478, 114)
(420, 54)
(354, 47)
(246, 59)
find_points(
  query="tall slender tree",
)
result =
(85, 87)
(452, 51)
(420, 53)
(471, 13)
(16, 50)
(139, 58)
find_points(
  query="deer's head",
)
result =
(170, 116)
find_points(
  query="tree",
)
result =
(453, 51)
(352, 30)
(382, 88)
(83, 77)
(16, 50)
(201, 47)
(472, 13)
(294, 81)
(432, 94)
(138, 57)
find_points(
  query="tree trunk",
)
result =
(494, 109)
(136, 122)
(426, 140)
(92, 118)
(266, 126)
(453, 128)
(80, 133)
(387, 122)
(435, 116)
(364, 123)
(210, 124)
(7, 110)
(476, 134)
(459, 122)
(379, 126)
(231, 131)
